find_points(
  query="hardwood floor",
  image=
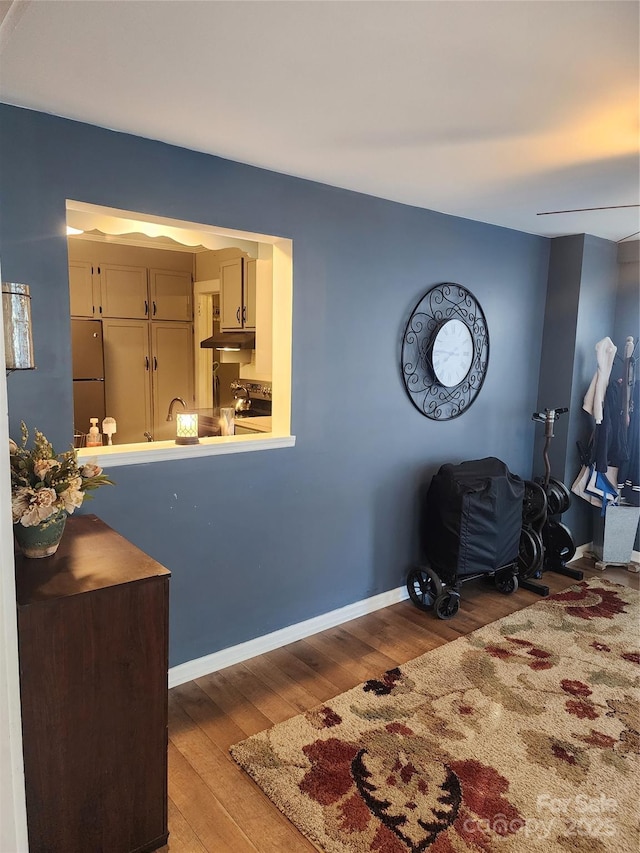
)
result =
(213, 805)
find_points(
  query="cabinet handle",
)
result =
(238, 315)
(155, 363)
(244, 314)
(146, 362)
(154, 307)
(146, 307)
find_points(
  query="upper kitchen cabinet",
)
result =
(136, 293)
(107, 290)
(250, 293)
(171, 295)
(84, 289)
(124, 292)
(237, 294)
(129, 282)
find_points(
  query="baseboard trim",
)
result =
(586, 550)
(583, 551)
(276, 639)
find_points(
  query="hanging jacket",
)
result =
(610, 440)
(594, 398)
(629, 473)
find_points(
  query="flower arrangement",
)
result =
(45, 483)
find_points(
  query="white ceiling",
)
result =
(488, 109)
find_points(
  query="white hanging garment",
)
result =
(594, 398)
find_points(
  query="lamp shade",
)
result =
(187, 428)
(16, 313)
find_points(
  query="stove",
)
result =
(260, 395)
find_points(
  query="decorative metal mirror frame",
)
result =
(441, 303)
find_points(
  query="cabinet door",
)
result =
(172, 376)
(249, 293)
(124, 292)
(127, 368)
(231, 294)
(171, 295)
(81, 289)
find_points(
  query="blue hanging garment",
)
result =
(600, 487)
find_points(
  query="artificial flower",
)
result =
(45, 483)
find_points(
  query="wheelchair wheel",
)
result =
(506, 583)
(529, 553)
(424, 586)
(447, 604)
(534, 504)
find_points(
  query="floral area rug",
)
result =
(523, 736)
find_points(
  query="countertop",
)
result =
(260, 424)
(208, 422)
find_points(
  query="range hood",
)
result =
(230, 341)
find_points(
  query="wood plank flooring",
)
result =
(213, 805)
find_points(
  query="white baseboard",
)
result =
(243, 651)
(583, 551)
(276, 639)
(587, 550)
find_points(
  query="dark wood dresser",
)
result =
(93, 643)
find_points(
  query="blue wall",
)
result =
(627, 321)
(581, 305)
(558, 347)
(259, 541)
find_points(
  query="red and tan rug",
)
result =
(523, 736)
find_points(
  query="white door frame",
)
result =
(13, 814)
(203, 292)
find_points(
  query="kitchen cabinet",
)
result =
(92, 639)
(250, 293)
(129, 292)
(171, 374)
(171, 295)
(237, 294)
(124, 291)
(127, 377)
(109, 290)
(146, 365)
(84, 290)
